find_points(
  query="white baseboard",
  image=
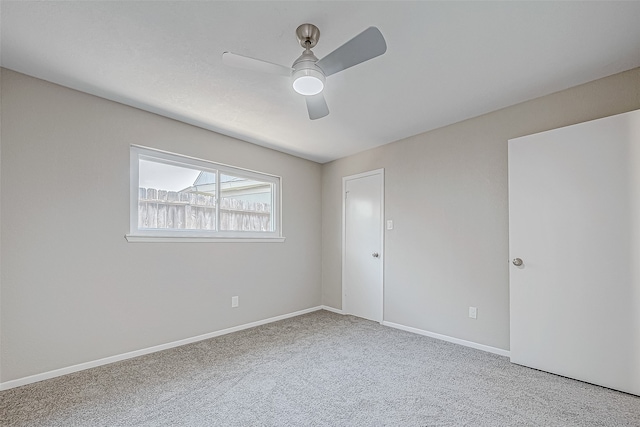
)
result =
(111, 359)
(331, 309)
(471, 344)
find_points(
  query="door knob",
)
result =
(375, 255)
(517, 262)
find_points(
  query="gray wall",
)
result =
(75, 292)
(446, 191)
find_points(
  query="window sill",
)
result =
(179, 239)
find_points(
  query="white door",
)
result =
(362, 264)
(574, 221)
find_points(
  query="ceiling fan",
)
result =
(308, 73)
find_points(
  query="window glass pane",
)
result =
(245, 204)
(175, 197)
(179, 196)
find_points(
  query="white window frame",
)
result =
(136, 234)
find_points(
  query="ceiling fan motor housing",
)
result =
(308, 79)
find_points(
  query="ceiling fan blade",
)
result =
(366, 45)
(317, 106)
(239, 61)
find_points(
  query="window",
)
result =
(175, 197)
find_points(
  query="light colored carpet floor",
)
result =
(320, 369)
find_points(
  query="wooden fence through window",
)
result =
(161, 209)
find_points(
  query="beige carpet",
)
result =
(320, 369)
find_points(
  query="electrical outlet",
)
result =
(473, 312)
(234, 302)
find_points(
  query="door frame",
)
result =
(345, 179)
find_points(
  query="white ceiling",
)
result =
(445, 62)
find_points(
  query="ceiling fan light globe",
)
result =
(308, 85)
(308, 82)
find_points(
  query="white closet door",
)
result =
(362, 268)
(574, 221)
